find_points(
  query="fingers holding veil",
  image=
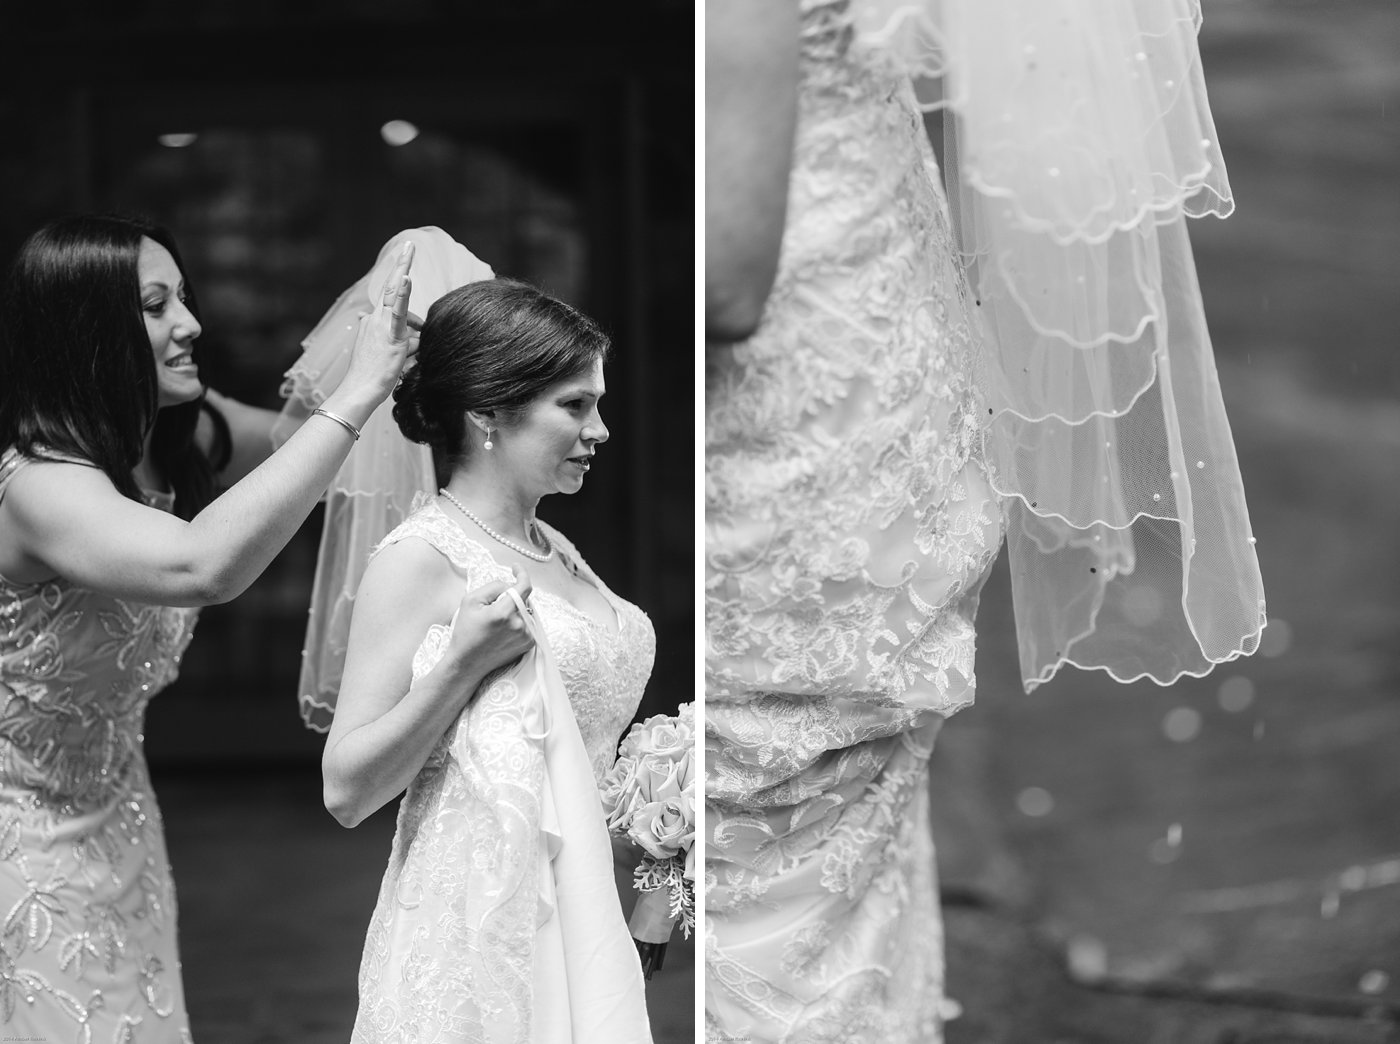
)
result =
(397, 292)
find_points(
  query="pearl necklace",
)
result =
(534, 555)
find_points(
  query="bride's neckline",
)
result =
(613, 630)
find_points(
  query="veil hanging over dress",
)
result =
(375, 488)
(1078, 141)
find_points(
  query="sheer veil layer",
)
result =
(375, 488)
(1078, 141)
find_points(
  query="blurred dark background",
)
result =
(1219, 861)
(273, 146)
(283, 143)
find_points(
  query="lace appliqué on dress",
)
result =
(466, 848)
(850, 526)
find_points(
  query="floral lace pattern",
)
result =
(451, 952)
(605, 671)
(850, 526)
(88, 942)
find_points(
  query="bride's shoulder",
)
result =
(408, 578)
(422, 521)
(432, 532)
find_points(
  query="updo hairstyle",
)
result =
(493, 345)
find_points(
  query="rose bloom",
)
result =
(658, 778)
(618, 786)
(685, 770)
(662, 736)
(661, 733)
(659, 828)
(635, 803)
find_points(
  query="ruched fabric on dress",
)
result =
(850, 525)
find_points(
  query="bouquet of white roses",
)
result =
(649, 798)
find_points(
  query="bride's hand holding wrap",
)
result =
(488, 629)
(385, 724)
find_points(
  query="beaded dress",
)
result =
(461, 947)
(850, 526)
(88, 941)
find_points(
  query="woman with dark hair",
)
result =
(489, 673)
(111, 537)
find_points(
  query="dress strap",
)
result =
(467, 556)
(12, 461)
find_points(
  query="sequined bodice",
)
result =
(849, 520)
(77, 669)
(604, 668)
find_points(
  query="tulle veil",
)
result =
(378, 484)
(1078, 140)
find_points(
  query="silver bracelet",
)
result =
(354, 431)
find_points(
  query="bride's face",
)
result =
(551, 447)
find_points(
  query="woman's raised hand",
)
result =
(383, 343)
(490, 631)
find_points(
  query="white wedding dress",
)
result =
(850, 525)
(498, 919)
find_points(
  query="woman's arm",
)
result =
(69, 520)
(751, 49)
(250, 427)
(386, 724)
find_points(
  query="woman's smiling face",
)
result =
(550, 448)
(170, 324)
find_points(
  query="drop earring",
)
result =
(488, 443)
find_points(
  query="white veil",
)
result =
(1079, 139)
(375, 488)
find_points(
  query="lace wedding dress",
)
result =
(498, 918)
(850, 526)
(88, 944)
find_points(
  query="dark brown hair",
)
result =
(77, 366)
(492, 345)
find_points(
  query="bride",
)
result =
(488, 672)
